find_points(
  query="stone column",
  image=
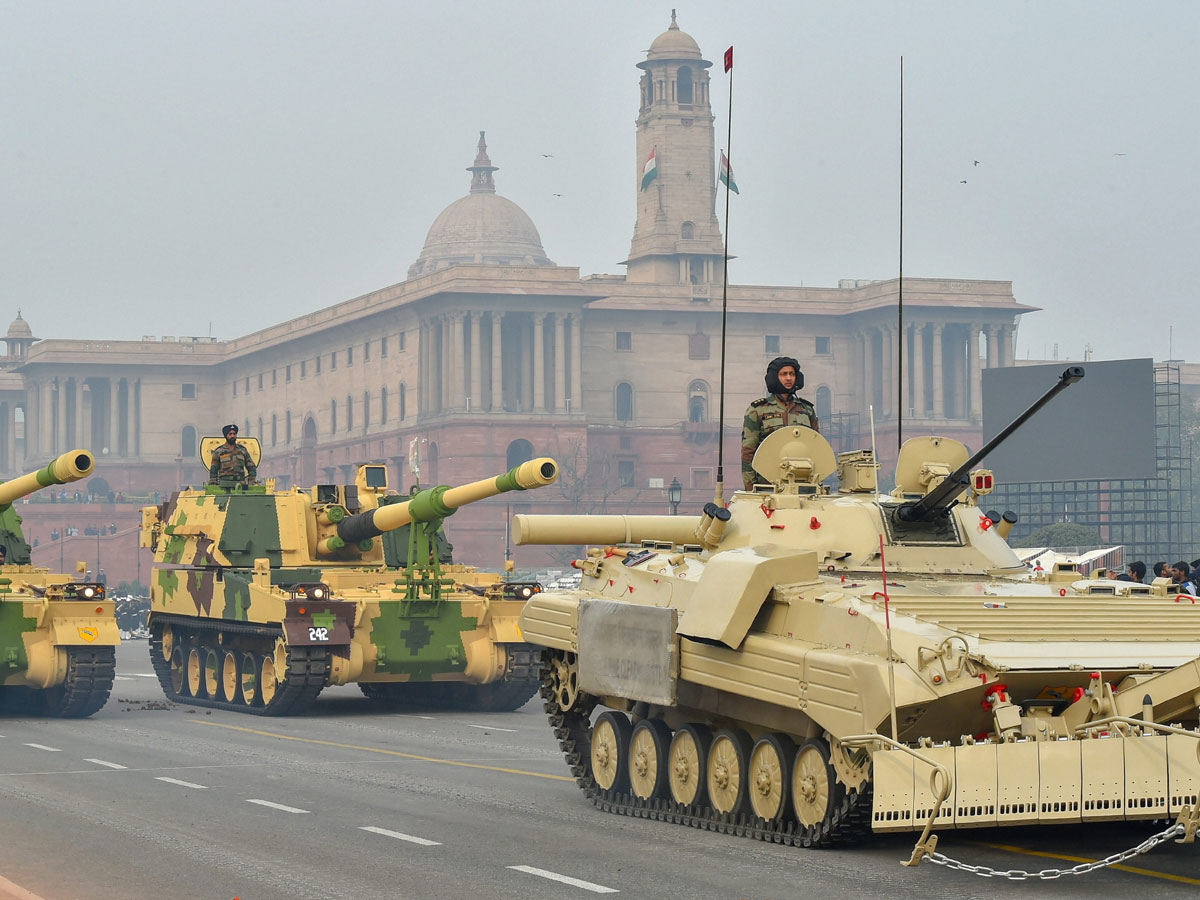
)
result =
(458, 359)
(137, 420)
(560, 362)
(918, 370)
(526, 357)
(46, 417)
(539, 362)
(939, 401)
(497, 370)
(81, 439)
(1010, 333)
(446, 387)
(60, 427)
(577, 362)
(989, 332)
(477, 403)
(114, 407)
(974, 384)
(888, 370)
(868, 359)
(11, 436)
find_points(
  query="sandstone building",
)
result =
(489, 353)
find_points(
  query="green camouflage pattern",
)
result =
(765, 416)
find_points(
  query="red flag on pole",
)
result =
(729, 59)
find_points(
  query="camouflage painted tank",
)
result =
(809, 664)
(261, 597)
(58, 635)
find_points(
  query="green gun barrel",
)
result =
(67, 468)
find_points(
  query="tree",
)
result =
(1064, 534)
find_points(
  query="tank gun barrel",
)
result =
(953, 484)
(439, 502)
(567, 530)
(67, 468)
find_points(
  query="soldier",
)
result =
(231, 462)
(781, 407)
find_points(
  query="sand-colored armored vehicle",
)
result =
(57, 631)
(262, 597)
(811, 663)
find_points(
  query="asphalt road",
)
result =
(149, 800)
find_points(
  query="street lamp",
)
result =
(674, 495)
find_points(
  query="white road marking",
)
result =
(44, 747)
(490, 728)
(412, 716)
(101, 762)
(400, 836)
(564, 879)
(278, 806)
(199, 787)
(144, 675)
(122, 678)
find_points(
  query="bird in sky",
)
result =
(1120, 154)
(976, 162)
(558, 195)
(548, 155)
(964, 181)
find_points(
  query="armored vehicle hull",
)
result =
(260, 598)
(59, 631)
(808, 667)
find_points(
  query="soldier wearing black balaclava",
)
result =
(781, 407)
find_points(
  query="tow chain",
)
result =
(1050, 874)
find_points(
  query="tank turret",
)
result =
(814, 662)
(65, 469)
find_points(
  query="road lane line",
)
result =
(44, 747)
(122, 678)
(1150, 873)
(199, 787)
(411, 716)
(144, 675)
(565, 879)
(382, 751)
(490, 728)
(278, 806)
(400, 836)
(101, 762)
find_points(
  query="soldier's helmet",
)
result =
(779, 362)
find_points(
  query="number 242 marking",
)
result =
(318, 634)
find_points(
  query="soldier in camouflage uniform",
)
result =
(231, 462)
(781, 407)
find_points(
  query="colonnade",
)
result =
(500, 362)
(942, 366)
(96, 413)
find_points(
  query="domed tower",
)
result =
(677, 239)
(482, 227)
(18, 338)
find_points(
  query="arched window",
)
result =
(824, 404)
(688, 231)
(698, 401)
(519, 451)
(649, 90)
(274, 429)
(685, 84)
(403, 411)
(187, 445)
(349, 413)
(366, 410)
(333, 417)
(624, 402)
(696, 270)
(383, 410)
(308, 437)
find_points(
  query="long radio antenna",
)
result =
(901, 338)
(720, 498)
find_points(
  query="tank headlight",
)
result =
(318, 593)
(526, 593)
(89, 593)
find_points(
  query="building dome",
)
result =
(674, 44)
(20, 328)
(482, 227)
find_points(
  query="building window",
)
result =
(319, 364)
(287, 373)
(349, 356)
(383, 346)
(702, 478)
(260, 381)
(304, 368)
(235, 389)
(624, 340)
(685, 85)
(366, 410)
(383, 410)
(274, 429)
(333, 417)
(772, 343)
(274, 377)
(625, 472)
(626, 443)
(402, 342)
(246, 430)
(349, 413)
(698, 346)
(187, 444)
(822, 346)
(688, 231)
(260, 427)
(624, 402)
(332, 361)
(824, 404)
(189, 392)
(403, 411)
(287, 426)
(698, 402)
(519, 451)
(366, 351)
(247, 384)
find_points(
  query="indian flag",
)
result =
(726, 177)
(650, 169)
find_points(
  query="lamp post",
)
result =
(674, 495)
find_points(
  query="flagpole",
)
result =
(720, 498)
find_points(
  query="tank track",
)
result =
(520, 683)
(848, 825)
(308, 668)
(89, 681)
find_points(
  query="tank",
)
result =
(261, 597)
(816, 661)
(58, 631)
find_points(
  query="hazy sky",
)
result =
(171, 165)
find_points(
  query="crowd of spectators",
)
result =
(1184, 576)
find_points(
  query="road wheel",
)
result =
(168, 641)
(178, 672)
(816, 793)
(728, 770)
(648, 752)
(230, 682)
(610, 751)
(195, 673)
(212, 673)
(267, 683)
(687, 762)
(248, 673)
(771, 776)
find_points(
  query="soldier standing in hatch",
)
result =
(231, 462)
(779, 408)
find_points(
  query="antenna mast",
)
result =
(720, 498)
(901, 338)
